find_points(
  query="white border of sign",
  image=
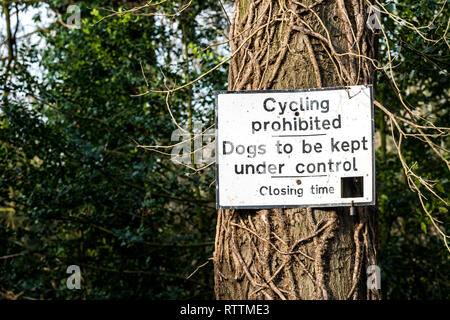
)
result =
(287, 206)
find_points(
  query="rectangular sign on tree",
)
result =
(295, 148)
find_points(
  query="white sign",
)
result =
(295, 148)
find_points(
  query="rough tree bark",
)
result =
(297, 253)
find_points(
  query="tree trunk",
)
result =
(297, 253)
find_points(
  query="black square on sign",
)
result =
(352, 187)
